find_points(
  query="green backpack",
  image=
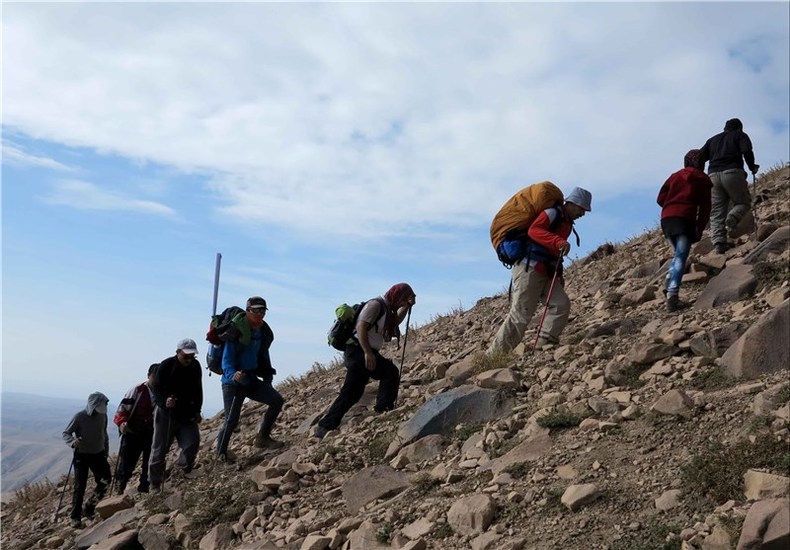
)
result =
(342, 332)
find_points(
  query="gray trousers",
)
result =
(529, 287)
(729, 186)
(186, 433)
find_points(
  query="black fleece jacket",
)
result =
(172, 379)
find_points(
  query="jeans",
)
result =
(357, 377)
(165, 430)
(530, 286)
(677, 266)
(83, 464)
(233, 396)
(132, 446)
(729, 186)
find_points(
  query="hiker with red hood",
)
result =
(685, 210)
(363, 360)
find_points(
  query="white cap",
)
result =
(580, 197)
(188, 346)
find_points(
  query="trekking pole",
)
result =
(216, 283)
(117, 464)
(225, 436)
(405, 340)
(546, 309)
(65, 484)
(167, 449)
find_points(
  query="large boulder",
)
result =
(372, 483)
(735, 283)
(527, 451)
(106, 529)
(775, 244)
(763, 348)
(714, 343)
(767, 526)
(423, 449)
(440, 414)
(471, 515)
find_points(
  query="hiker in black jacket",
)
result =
(726, 153)
(178, 400)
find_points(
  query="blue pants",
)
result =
(357, 377)
(677, 266)
(233, 396)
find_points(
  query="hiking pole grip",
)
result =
(216, 283)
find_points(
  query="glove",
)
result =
(75, 444)
(122, 427)
(755, 169)
(564, 249)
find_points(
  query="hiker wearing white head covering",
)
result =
(533, 275)
(87, 435)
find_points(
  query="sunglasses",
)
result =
(258, 310)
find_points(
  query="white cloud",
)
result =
(400, 116)
(17, 156)
(84, 195)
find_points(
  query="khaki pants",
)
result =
(529, 287)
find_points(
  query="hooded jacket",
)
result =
(727, 150)
(686, 194)
(90, 427)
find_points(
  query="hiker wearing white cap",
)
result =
(178, 400)
(538, 276)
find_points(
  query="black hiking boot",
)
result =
(264, 441)
(674, 304)
(722, 248)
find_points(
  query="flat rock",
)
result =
(443, 412)
(527, 451)
(760, 485)
(471, 515)
(637, 297)
(365, 537)
(499, 379)
(221, 536)
(460, 372)
(668, 500)
(372, 483)
(776, 243)
(425, 448)
(645, 353)
(762, 349)
(109, 506)
(713, 343)
(106, 529)
(734, 283)
(315, 542)
(675, 403)
(152, 537)
(577, 496)
(418, 528)
(126, 540)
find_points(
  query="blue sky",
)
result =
(329, 151)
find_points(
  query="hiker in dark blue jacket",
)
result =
(248, 373)
(87, 435)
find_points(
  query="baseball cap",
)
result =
(256, 302)
(188, 346)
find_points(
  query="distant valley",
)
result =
(32, 447)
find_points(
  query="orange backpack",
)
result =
(522, 209)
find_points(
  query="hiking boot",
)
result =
(227, 457)
(76, 523)
(721, 248)
(156, 487)
(320, 432)
(266, 442)
(142, 488)
(674, 304)
(90, 509)
(542, 342)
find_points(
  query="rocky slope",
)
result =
(643, 429)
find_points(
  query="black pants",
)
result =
(132, 446)
(84, 463)
(357, 377)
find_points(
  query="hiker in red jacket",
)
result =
(685, 210)
(135, 421)
(532, 275)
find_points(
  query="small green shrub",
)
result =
(651, 537)
(467, 430)
(517, 470)
(483, 361)
(712, 380)
(630, 376)
(378, 446)
(715, 475)
(559, 420)
(783, 395)
(383, 535)
(771, 273)
(424, 483)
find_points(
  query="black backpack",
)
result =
(342, 331)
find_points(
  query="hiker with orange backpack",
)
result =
(685, 201)
(537, 268)
(378, 322)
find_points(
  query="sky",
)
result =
(328, 151)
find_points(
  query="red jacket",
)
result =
(137, 409)
(551, 239)
(686, 194)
